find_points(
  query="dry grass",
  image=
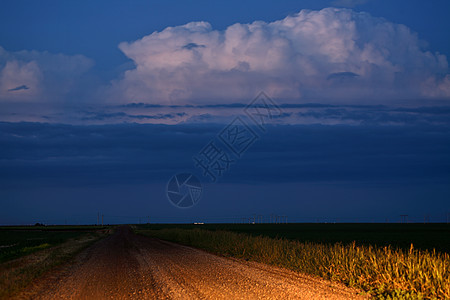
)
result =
(17, 274)
(385, 273)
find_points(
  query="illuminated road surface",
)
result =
(129, 266)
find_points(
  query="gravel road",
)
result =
(129, 266)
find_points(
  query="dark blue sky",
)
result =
(95, 28)
(102, 102)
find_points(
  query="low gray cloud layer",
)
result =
(79, 155)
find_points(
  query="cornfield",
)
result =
(384, 273)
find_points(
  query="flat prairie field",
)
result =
(423, 236)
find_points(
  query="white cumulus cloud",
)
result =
(326, 55)
(39, 76)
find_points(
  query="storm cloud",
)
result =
(35, 76)
(331, 55)
(79, 155)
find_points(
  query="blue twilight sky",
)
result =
(102, 102)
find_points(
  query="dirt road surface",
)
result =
(130, 266)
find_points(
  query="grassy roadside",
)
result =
(16, 274)
(17, 241)
(383, 272)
